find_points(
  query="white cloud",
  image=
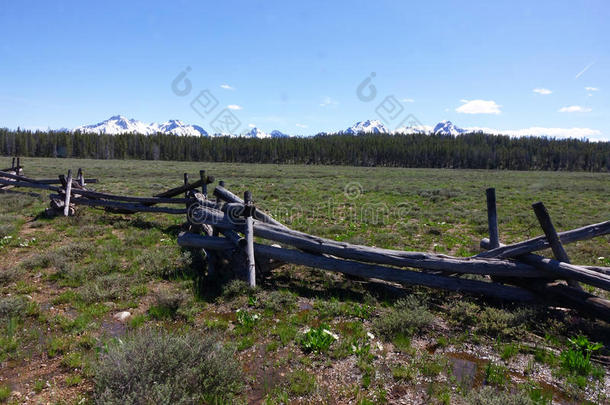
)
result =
(327, 101)
(301, 125)
(407, 100)
(591, 88)
(542, 90)
(574, 108)
(590, 133)
(234, 107)
(227, 87)
(252, 125)
(478, 107)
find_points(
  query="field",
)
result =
(304, 335)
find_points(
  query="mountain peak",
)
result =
(118, 124)
(447, 128)
(367, 127)
(256, 133)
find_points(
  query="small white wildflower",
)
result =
(238, 310)
(601, 258)
(379, 346)
(254, 316)
(354, 349)
(370, 335)
(307, 329)
(329, 333)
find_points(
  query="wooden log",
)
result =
(127, 207)
(599, 269)
(224, 194)
(473, 265)
(371, 271)
(140, 200)
(551, 236)
(30, 185)
(556, 269)
(249, 235)
(68, 193)
(15, 176)
(492, 217)
(394, 257)
(179, 190)
(56, 181)
(541, 243)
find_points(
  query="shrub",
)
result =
(301, 383)
(407, 317)
(13, 307)
(163, 262)
(496, 374)
(317, 340)
(235, 288)
(280, 301)
(5, 393)
(8, 275)
(105, 288)
(6, 229)
(577, 359)
(167, 304)
(496, 322)
(59, 258)
(156, 367)
(489, 396)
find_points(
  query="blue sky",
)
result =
(296, 66)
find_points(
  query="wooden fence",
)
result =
(225, 227)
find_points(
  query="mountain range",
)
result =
(119, 124)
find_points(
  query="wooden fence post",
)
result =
(204, 186)
(80, 178)
(492, 218)
(551, 235)
(68, 193)
(249, 233)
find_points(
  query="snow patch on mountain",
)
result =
(120, 125)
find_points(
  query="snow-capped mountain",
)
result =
(447, 128)
(256, 133)
(278, 134)
(120, 125)
(177, 127)
(420, 129)
(368, 127)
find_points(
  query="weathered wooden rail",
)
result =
(224, 228)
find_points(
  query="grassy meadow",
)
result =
(304, 335)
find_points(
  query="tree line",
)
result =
(468, 151)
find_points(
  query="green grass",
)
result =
(82, 270)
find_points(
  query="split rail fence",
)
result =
(225, 226)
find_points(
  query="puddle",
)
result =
(305, 306)
(467, 369)
(113, 328)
